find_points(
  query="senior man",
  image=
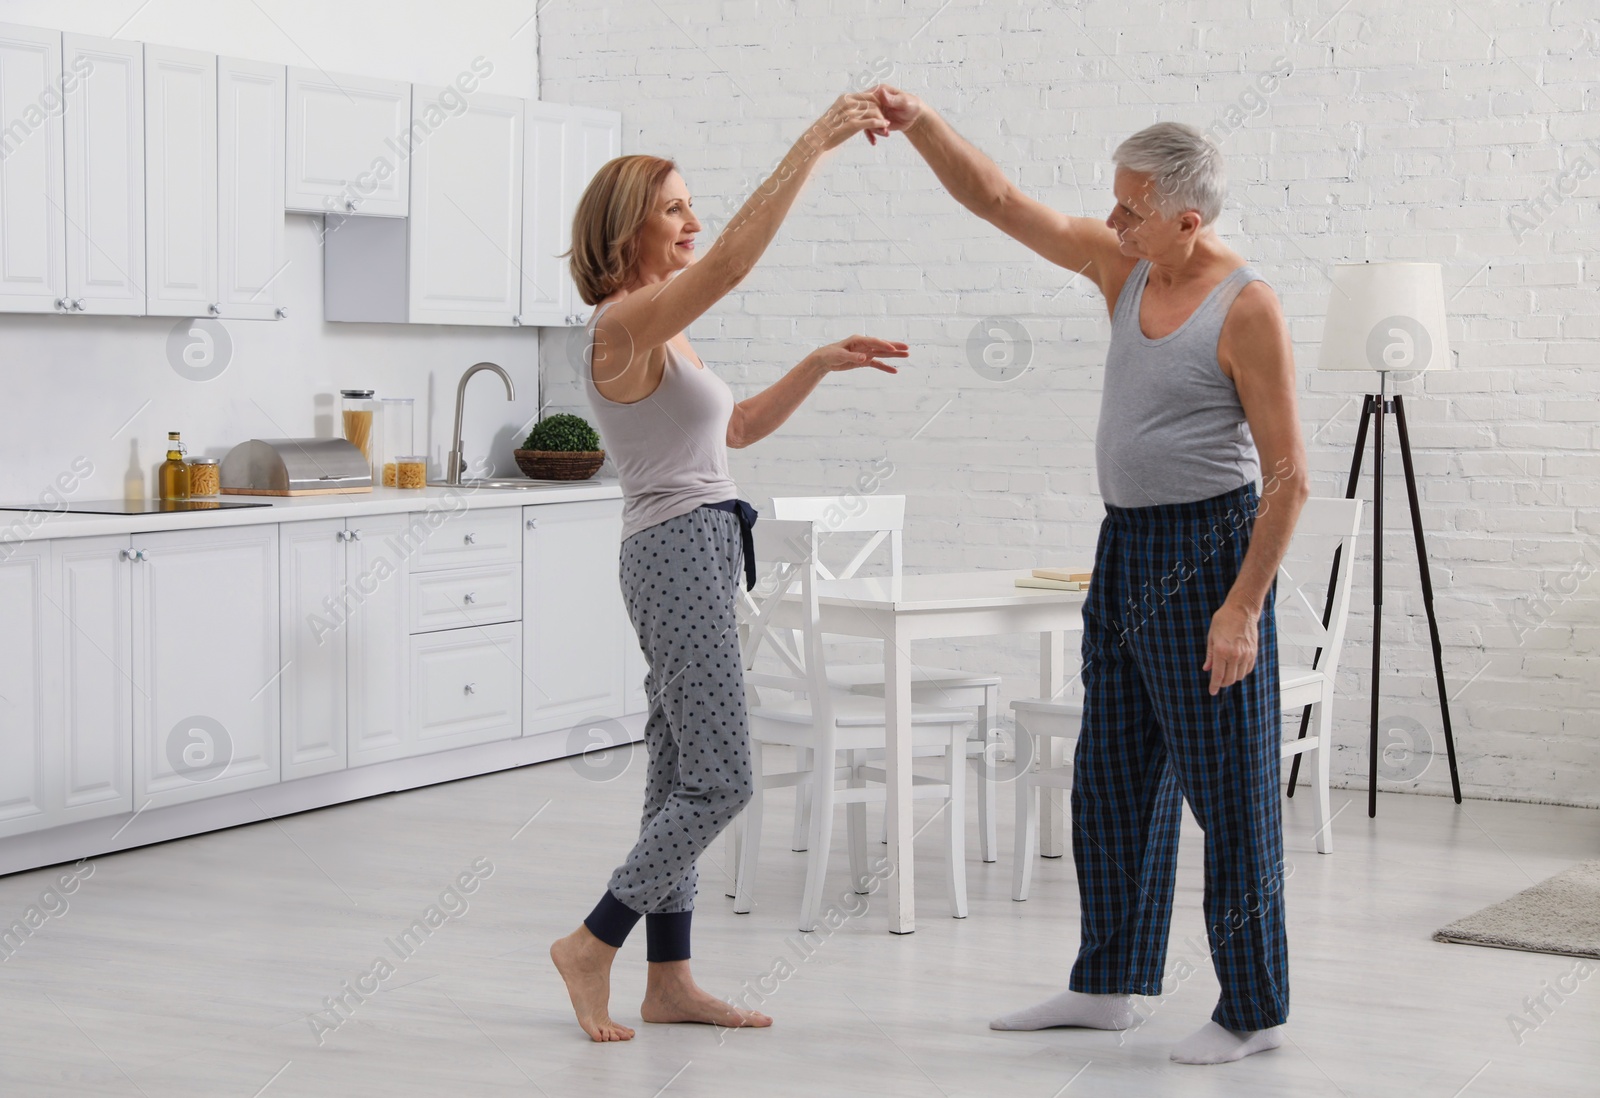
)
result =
(1180, 665)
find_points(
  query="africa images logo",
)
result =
(1399, 343)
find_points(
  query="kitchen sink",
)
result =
(509, 482)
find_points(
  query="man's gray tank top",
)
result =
(1172, 429)
(671, 448)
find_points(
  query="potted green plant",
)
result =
(561, 447)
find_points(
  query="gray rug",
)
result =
(1561, 915)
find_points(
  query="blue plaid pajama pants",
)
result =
(1152, 737)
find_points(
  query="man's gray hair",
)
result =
(1186, 170)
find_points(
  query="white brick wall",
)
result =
(1438, 130)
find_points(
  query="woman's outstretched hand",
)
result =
(902, 109)
(757, 417)
(859, 351)
(852, 113)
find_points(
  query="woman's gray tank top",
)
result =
(671, 448)
(1172, 429)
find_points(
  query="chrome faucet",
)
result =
(456, 463)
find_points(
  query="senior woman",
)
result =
(668, 421)
(1180, 665)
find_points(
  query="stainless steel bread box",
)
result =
(295, 467)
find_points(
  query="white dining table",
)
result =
(901, 610)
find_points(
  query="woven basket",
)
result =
(558, 464)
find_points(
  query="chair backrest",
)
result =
(881, 516)
(786, 564)
(1314, 579)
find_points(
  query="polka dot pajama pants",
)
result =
(680, 581)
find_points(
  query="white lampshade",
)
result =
(1386, 316)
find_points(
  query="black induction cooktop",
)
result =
(131, 507)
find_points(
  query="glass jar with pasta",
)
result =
(358, 410)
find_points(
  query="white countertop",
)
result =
(23, 526)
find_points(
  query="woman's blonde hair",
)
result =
(605, 229)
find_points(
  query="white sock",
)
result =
(1072, 1008)
(1212, 1044)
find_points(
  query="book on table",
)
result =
(1051, 584)
(1069, 575)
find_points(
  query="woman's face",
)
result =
(666, 243)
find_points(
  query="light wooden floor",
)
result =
(190, 968)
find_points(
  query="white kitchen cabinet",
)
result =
(206, 663)
(494, 191)
(348, 141)
(461, 597)
(25, 667)
(33, 267)
(224, 674)
(180, 182)
(65, 685)
(426, 673)
(379, 639)
(466, 212)
(66, 714)
(251, 244)
(105, 177)
(466, 687)
(593, 137)
(572, 636)
(91, 639)
(547, 292)
(313, 635)
(469, 539)
(563, 147)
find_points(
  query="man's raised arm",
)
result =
(1081, 244)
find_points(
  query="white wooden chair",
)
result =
(793, 707)
(882, 517)
(1311, 618)
(1312, 614)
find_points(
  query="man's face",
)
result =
(1145, 232)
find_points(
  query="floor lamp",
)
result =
(1388, 317)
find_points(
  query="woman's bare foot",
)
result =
(584, 962)
(671, 995)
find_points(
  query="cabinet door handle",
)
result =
(77, 306)
(138, 555)
(281, 311)
(470, 688)
(471, 539)
(532, 524)
(126, 554)
(63, 304)
(355, 535)
(469, 598)
(516, 321)
(350, 205)
(215, 309)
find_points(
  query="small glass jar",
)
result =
(397, 431)
(203, 477)
(357, 410)
(411, 471)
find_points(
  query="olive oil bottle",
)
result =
(173, 476)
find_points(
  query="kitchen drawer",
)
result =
(457, 597)
(472, 538)
(466, 686)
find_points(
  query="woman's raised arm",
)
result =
(651, 315)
